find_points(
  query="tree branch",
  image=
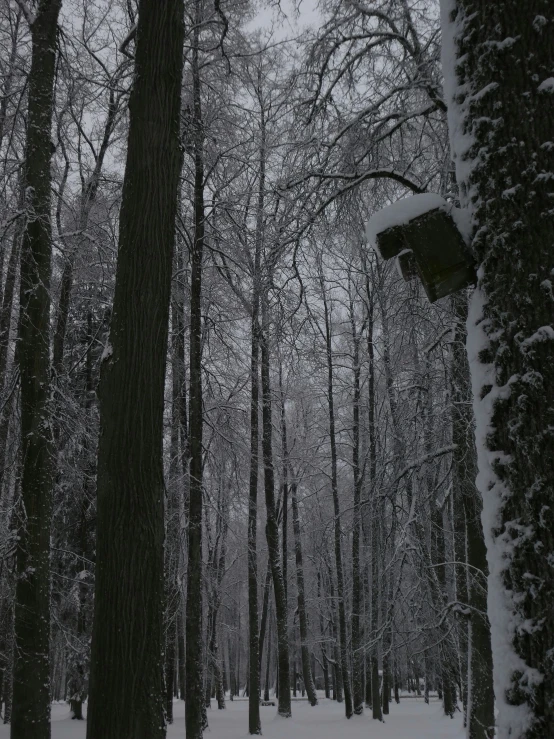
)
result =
(127, 40)
(27, 12)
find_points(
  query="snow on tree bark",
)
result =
(497, 59)
(473, 591)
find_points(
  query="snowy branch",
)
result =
(27, 12)
(355, 179)
(427, 458)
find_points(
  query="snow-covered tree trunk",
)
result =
(471, 588)
(497, 60)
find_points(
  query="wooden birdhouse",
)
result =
(426, 235)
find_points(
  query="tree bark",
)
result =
(31, 671)
(272, 527)
(357, 653)
(501, 108)
(254, 724)
(374, 525)
(126, 693)
(348, 708)
(88, 197)
(265, 612)
(322, 630)
(284, 489)
(480, 692)
(268, 663)
(195, 718)
(302, 617)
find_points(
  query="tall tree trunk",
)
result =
(501, 107)
(337, 675)
(169, 670)
(217, 571)
(31, 671)
(6, 412)
(179, 409)
(375, 596)
(284, 487)
(357, 653)
(322, 630)
(78, 657)
(302, 617)
(268, 662)
(8, 295)
(254, 724)
(181, 650)
(88, 197)
(272, 527)
(7, 693)
(265, 611)
(480, 692)
(173, 522)
(336, 506)
(374, 525)
(195, 718)
(9, 73)
(126, 679)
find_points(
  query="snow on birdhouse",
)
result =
(428, 237)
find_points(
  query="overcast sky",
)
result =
(293, 24)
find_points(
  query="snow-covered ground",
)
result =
(412, 719)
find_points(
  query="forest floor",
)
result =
(412, 719)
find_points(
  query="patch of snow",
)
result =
(460, 141)
(539, 22)
(544, 333)
(512, 720)
(405, 210)
(485, 91)
(506, 43)
(462, 219)
(510, 192)
(397, 262)
(547, 85)
(400, 213)
(412, 719)
(108, 351)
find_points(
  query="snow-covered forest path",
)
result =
(412, 719)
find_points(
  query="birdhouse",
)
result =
(426, 235)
